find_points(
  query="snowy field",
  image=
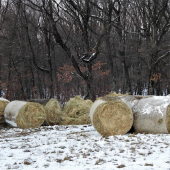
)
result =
(81, 148)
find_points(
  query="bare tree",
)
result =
(152, 20)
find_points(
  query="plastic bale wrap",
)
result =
(3, 104)
(53, 112)
(111, 117)
(152, 115)
(24, 114)
(130, 100)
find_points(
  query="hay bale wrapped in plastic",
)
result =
(53, 112)
(24, 114)
(152, 115)
(111, 117)
(130, 100)
(76, 112)
(3, 103)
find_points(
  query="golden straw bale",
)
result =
(77, 106)
(76, 112)
(3, 103)
(24, 114)
(111, 117)
(53, 111)
(83, 119)
(65, 120)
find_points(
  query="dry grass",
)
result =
(76, 112)
(53, 111)
(113, 117)
(3, 104)
(31, 115)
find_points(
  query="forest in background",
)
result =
(63, 48)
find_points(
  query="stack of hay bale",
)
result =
(36, 112)
(76, 112)
(113, 114)
(53, 110)
(151, 114)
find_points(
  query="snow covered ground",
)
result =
(81, 148)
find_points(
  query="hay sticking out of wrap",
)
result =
(24, 114)
(53, 111)
(76, 112)
(111, 117)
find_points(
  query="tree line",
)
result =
(62, 48)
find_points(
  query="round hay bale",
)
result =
(3, 103)
(152, 115)
(53, 111)
(76, 112)
(24, 114)
(111, 117)
(77, 107)
(130, 100)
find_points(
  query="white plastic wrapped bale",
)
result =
(24, 114)
(111, 117)
(3, 103)
(152, 115)
(130, 100)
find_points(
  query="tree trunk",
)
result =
(110, 61)
(0, 75)
(89, 81)
(128, 81)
